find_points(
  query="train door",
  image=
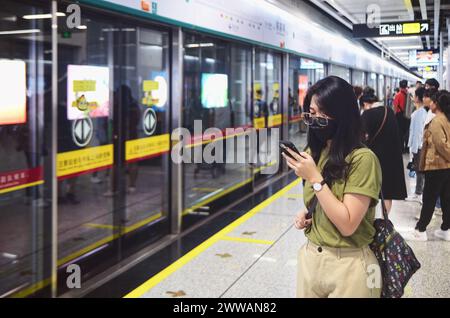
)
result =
(113, 140)
(267, 110)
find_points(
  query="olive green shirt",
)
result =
(364, 178)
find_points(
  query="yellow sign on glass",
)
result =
(259, 122)
(274, 120)
(84, 86)
(257, 91)
(146, 147)
(148, 86)
(276, 90)
(78, 161)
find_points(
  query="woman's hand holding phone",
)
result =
(304, 166)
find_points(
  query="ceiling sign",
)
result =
(398, 28)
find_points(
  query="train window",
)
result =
(340, 71)
(381, 88)
(217, 87)
(302, 74)
(372, 81)
(359, 78)
(113, 138)
(389, 90)
(143, 98)
(85, 160)
(267, 98)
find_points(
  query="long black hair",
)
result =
(335, 98)
(442, 99)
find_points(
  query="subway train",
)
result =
(97, 89)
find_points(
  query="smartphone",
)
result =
(284, 145)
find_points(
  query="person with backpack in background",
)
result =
(381, 135)
(400, 106)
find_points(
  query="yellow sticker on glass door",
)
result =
(146, 147)
(259, 122)
(82, 161)
(274, 120)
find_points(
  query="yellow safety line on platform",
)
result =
(222, 193)
(247, 240)
(146, 221)
(100, 226)
(87, 249)
(225, 191)
(39, 285)
(107, 239)
(158, 278)
(32, 289)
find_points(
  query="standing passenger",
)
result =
(399, 103)
(429, 92)
(435, 162)
(416, 140)
(345, 177)
(383, 138)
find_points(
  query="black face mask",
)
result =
(324, 133)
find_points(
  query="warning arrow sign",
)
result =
(82, 131)
(149, 121)
(424, 27)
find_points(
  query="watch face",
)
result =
(317, 186)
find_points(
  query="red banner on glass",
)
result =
(12, 179)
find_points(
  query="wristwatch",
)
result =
(318, 185)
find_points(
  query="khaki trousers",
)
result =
(337, 272)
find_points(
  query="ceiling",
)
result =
(437, 11)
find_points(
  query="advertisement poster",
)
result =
(302, 88)
(214, 90)
(13, 92)
(88, 91)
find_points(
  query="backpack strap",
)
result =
(380, 128)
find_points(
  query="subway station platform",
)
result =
(97, 98)
(255, 255)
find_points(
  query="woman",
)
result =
(386, 144)
(435, 163)
(345, 177)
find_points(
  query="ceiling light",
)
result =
(12, 18)
(42, 16)
(397, 38)
(406, 47)
(20, 31)
(194, 45)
